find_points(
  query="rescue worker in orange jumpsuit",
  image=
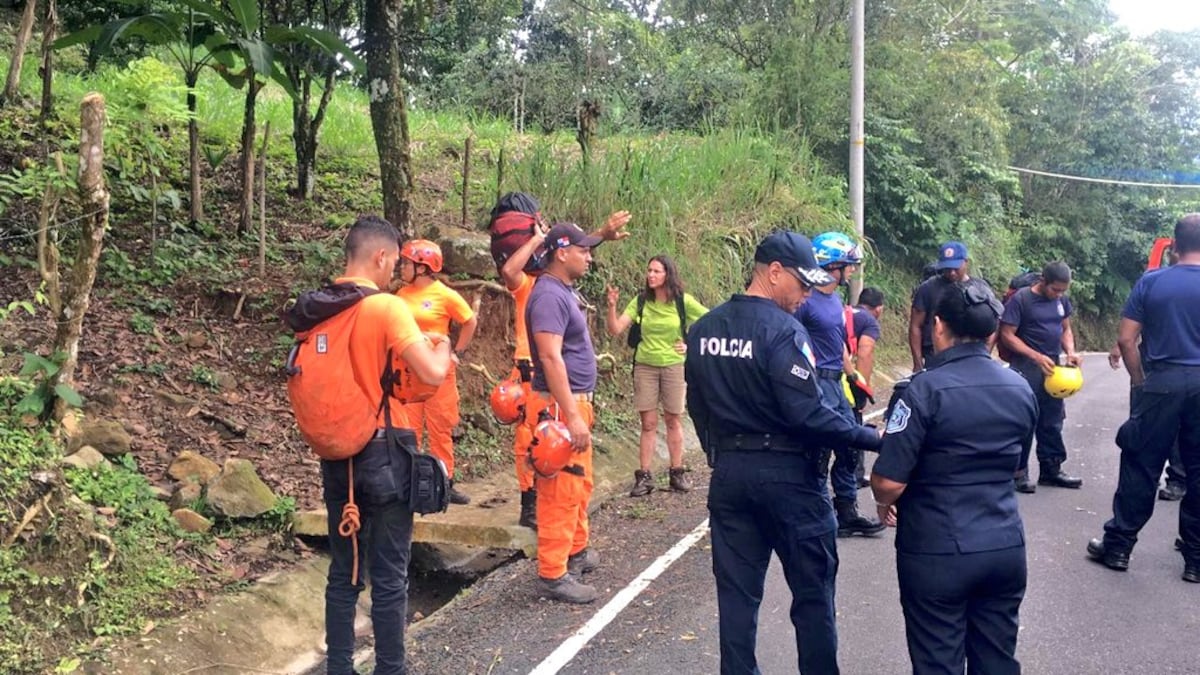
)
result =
(519, 272)
(434, 305)
(564, 379)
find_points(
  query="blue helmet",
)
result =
(835, 248)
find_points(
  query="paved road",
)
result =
(1077, 617)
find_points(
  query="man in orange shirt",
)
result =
(384, 326)
(518, 273)
(434, 305)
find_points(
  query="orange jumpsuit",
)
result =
(562, 499)
(434, 307)
(524, 431)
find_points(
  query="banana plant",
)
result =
(231, 39)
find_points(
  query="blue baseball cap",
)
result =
(951, 255)
(795, 252)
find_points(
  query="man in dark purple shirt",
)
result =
(564, 377)
(1036, 328)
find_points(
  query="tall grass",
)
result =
(704, 200)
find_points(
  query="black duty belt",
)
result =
(829, 373)
(759, 442)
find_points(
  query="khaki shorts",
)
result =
(659, 385)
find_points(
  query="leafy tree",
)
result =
(311, 66)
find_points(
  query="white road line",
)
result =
(568, 649)
(571, 647)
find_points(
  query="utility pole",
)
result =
(857, 138)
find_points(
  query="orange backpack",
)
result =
(334, 414)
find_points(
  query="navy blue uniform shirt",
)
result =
(823, 316)
(955, 437)
(749, 370)
(1167, 304)
(1039, 320)
(865, 325)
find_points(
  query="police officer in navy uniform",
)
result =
(944, 477)
(1163, 310)
(753, 396)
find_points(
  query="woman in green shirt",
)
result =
(661, 314)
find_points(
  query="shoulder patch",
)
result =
(800, 372)
(899, 420)
(808, 353)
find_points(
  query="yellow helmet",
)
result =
(1064, 381)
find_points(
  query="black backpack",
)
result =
(1020, 281)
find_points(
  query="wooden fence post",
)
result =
(466, 184)
(94, 196)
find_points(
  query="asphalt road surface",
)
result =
(1077, 617)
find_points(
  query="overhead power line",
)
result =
(1106, 181)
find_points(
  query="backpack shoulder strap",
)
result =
(641, 306)
(851, 339)
(681, 310)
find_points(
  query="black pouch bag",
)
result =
(422, 476)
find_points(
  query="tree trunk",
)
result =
(262, 203)
(94, 196)
(49, 34)
(389, 115)
(248, 132)
(197, 206)
(306, 130)
(13, 83)
(300, 138)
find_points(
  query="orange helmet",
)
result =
(423, 252)
(508, 402)
(550, 451)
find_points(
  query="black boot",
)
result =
(1051, 474)
(457, 497)
(851, 523)
(528, 509)
(1022, 484)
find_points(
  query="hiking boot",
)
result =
(1172, 492)
(679, 481)
(583, 562)
(1114, 560)
(1022, 484)
(528, 509)
(457, 497)
(566, 589)
(850, 522)
(1052, 474)
(643, 483)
